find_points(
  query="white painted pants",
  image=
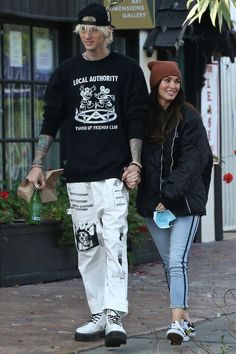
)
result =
(99, 215)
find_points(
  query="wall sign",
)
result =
(210, 107)
(15, 39)
(133, 14)
(44, 54)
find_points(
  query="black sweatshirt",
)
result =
(103, 104)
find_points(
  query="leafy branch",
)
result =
(218, 9)
(112, 3)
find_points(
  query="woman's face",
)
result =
(168, 89)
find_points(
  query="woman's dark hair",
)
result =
(160, 122)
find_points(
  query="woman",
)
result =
(177, 163)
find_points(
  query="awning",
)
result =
(165, 38)
(168, 32)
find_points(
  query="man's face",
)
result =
(92, 39)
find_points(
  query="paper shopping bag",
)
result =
(48, 193)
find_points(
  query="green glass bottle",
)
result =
(35, 208)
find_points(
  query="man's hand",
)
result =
(37, 177)
(131, 176)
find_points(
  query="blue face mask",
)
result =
(164, 219)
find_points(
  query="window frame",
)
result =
(32, 139)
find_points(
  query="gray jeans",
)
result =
(173, 245)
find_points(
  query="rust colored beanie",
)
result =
(160, 69)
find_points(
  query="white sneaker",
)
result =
(189, 330)
(93, 329)
(115, 334)
(175, 333)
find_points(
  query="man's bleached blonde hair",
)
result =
(106, 30)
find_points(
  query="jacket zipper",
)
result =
(172, 149)
(189, 209)
(161, 179)
(172, 158)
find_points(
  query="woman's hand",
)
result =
(160, 207)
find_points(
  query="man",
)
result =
(102, 97)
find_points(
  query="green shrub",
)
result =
(14, 209)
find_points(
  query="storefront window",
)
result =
(30, 55)
(52, 160)
(39, 91)
(18, 160)
(1, 115)
(1, 175)
(17, 111)
(17, 125)
(38, 107)
(16, 52)
(45, 52)
(0, 57)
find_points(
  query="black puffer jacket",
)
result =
(183, 164)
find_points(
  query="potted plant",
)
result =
(46, 252)
(35, 253)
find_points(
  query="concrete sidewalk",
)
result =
(41, 319)
(213, 336)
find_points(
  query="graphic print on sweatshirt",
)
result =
(96, 103)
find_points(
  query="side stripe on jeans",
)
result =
(192, 233)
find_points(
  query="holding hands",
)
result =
(131, 175)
